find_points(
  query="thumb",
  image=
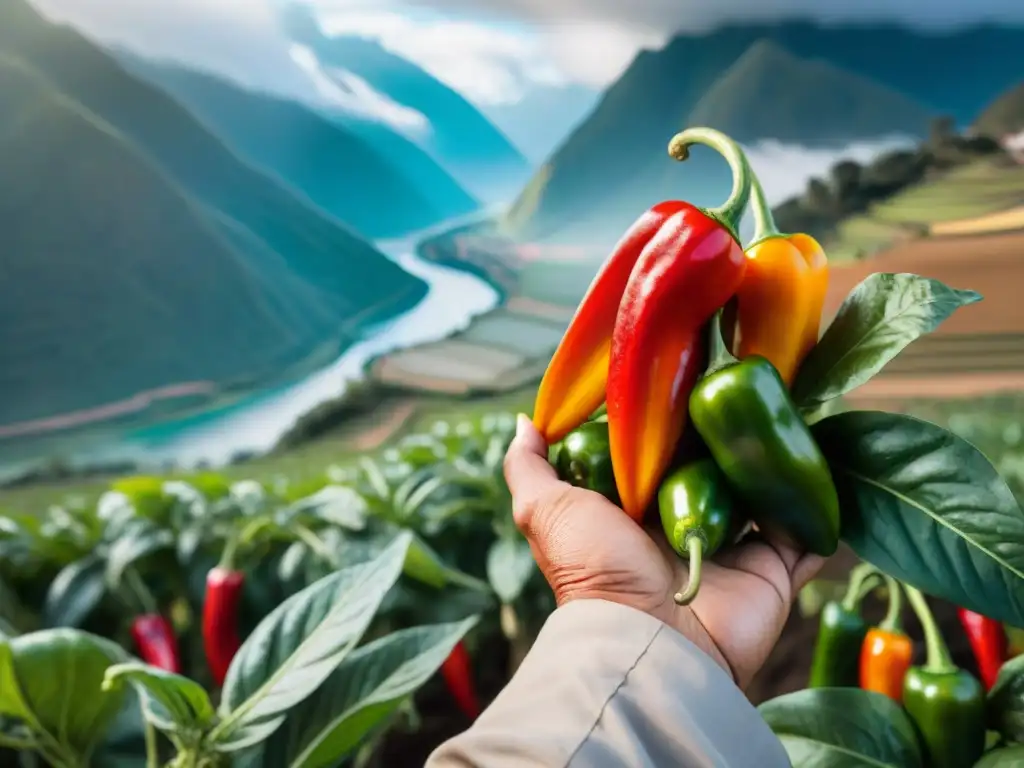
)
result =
(529, 476)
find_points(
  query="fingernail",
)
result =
(522, 423)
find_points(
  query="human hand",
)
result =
(587, 548)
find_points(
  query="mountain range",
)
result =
(140, 251)
(794, 82)
(381, 194)
(478, 155)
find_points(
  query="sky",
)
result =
(496, 53)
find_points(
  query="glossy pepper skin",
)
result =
(574, 383)
(887, 651)
(946, 703)
(785, 478)
(988, 642)
(221, 640)
(697, 514)
(841, 633)
(457, 671)
(583, 459)
(156, 642)
(689, 270)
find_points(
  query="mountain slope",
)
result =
(659, 92)
(1003, 116)
(114, 282)
(357, 280)
(342, 173)
(480, 157)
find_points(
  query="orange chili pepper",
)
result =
(887, 652)
(781, 298)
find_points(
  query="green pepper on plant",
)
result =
(946, 703)
(841, 633)
(696, 508)
(756, 435)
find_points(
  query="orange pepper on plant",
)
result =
(637, 340)
(780, 301)
(887, 651)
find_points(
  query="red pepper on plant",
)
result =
(988, 642)
(457, 671)
(887, 652)
(221, 639)
(157, 644)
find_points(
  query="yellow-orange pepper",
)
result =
(887, 651)
(781, 298)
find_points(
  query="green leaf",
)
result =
(927, 507)
(1005, 707)
(336, 505)
(843, 727)
(12, 702)
(171, 702)
(878, 320)
(294, 649)
(76, 592)
(60, 674)
(137, 541)
(1007, 757)
(510, 565)
(424, 565)
(359, 696)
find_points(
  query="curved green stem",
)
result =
(731, 211)
(863, 579)
(695, 551)
(317, 546)
(227, 557)
(891, 621)
(764, 222)
(939, 661)
(152, 750)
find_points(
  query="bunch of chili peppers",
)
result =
(677, 287)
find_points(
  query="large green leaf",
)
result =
(60, 673)
(1006, 701)
(359, 696)
(1007, 757)
(928, 508)
(171, 702)
(510, 565)
(76, 592)
(298, 646)
(878, 320)
(334, 504)
(843, 728)
(138, 540)
(12, 702)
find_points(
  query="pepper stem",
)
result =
(764, 222)
(863, 578)
(731, 211)
(695, 550)
(891, 622)
(227, 557)
(939, 661)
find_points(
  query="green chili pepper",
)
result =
(756, 435)
(946, 703)
(697, 514)
(841, 631)
(583, 458)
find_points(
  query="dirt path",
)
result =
(372, 437)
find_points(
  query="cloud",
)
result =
(344, 90)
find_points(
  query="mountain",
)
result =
(1005, 115)
(480, 157)
(115, 282)
(358, 281)
(614, 163)
(338, 170)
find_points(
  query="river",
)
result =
(257, 422)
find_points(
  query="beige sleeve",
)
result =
(607, 686)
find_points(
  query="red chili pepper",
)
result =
(457, 671)
(157, 644)
(574, 383)
(988, 641)
(221, 640)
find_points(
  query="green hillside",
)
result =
(341, 172)
(113, 280)
(1003, 116)
(355, 278)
